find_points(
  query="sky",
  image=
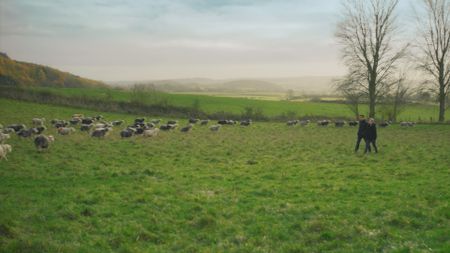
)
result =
(123, 40)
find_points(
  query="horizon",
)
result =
(119, 41)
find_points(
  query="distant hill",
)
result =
(23, 74)
(306, 84)
(250, 85)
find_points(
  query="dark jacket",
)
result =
(362, 128)
(371, 132)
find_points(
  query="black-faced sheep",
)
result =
(85, 127)
(292, 122)
(25, 133)
(87, 121)
(304, 122)
(4, 150)
(353, 123)
(172, 122)
(100, 132)
(117, 122)
(126, 133)
(39, 129)
(42, 142)
(193, 120)
(186, 128)
(339, 123)
(323, 123)
(246, 122)
(17, 127)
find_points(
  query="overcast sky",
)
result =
(115, 40)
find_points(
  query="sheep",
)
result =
(384, 124)
(17, 127)
(26, 132)
(304, 122)
(98, 117)
(246, 122)
(85, 127)
(187, 128)
(150, 125)
(100, 132)
(102, 125)
(42, 142)
(204, 122)
(39, 129)
(139, 120)
(323, 122)
(4, 137)
(87, 121)
(65, 130)
(215, 128)
(155, 121)
(339, 123)
(168, 127)
(226, 122)
(292, 122)
(74, 121)
(60, 124)
(8, 130)
(407, 124)
(151, 132)
(4, 150)
(126, 133)
(193, 120)
(353, 123)
(172, 122)
(38, 121)
(117, 122)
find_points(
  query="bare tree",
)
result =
(396, 100)
(351, 93)
(367, 32)
(434, 44)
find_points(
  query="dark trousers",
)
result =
(374, 144)
(358, 141)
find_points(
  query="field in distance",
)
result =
(263, 188)
(214, 103)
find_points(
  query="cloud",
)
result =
(168, 35)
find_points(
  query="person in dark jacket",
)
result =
(361, 131)
(371, 136)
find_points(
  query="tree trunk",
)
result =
(372, 96)
(441, 104)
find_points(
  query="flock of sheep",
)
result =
(97, 127)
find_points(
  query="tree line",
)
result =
(371, 48)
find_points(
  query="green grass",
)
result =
(266, 188)
(214, 104)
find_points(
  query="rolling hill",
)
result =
(23, 74)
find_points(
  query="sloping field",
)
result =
(264, 188)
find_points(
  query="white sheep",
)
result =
(215, 128)
(151, 132)
(4, 137)
(4, 150)
(65, 130)
(38, 121)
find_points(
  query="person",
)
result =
(361, 131)
(371, 136)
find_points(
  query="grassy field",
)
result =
(265, 188)
(213, 104)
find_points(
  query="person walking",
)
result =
(361, 131)
(371, 136)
